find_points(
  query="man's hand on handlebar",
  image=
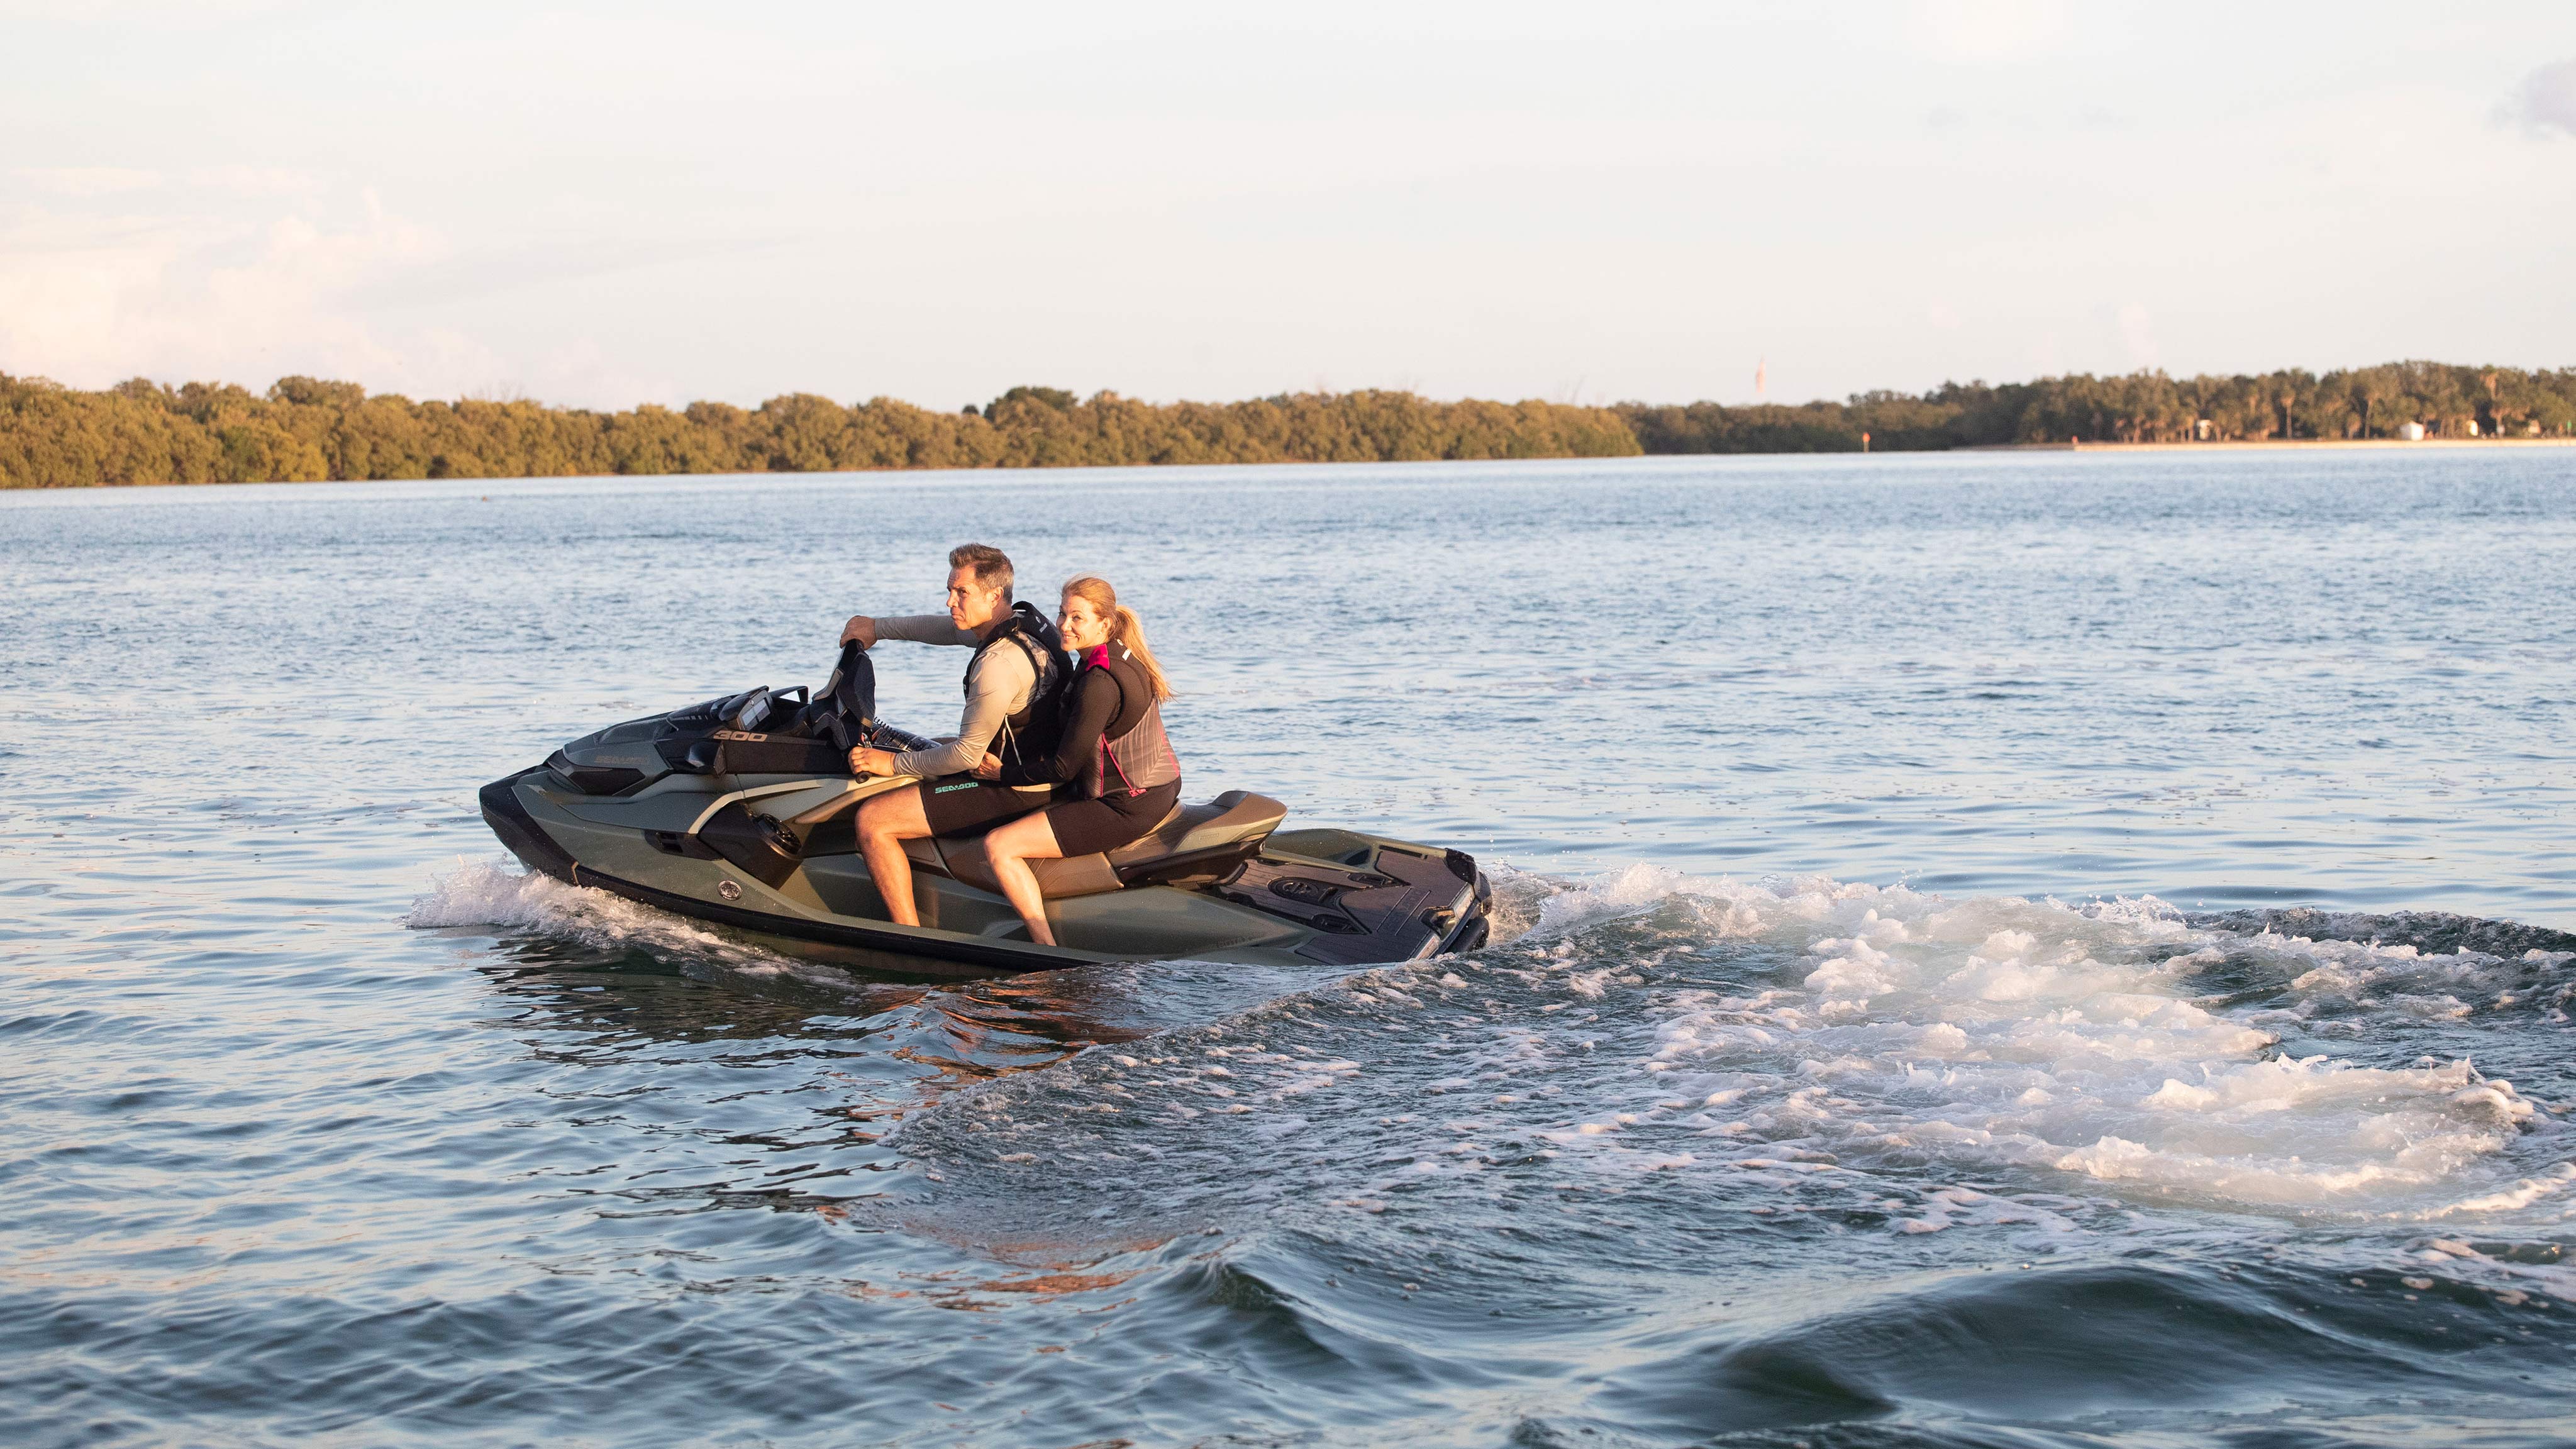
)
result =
(865, 761)
(861, 628)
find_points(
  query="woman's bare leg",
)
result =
(885, 822)
(1010, 848)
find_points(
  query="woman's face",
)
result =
(1080, 624)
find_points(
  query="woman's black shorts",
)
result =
(964, 805)
(1084, 826)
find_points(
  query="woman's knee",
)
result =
(1005, 843)
(1027, 838)
(1019, 839)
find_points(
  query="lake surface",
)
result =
(2023, 949)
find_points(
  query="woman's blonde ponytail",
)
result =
(1130, 631)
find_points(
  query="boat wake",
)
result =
(1915, 1062)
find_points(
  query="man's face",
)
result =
(970, 604)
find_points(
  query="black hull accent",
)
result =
(1396, 911)
(520, 831)
(753, 850)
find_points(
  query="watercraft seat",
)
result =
(1206, 838)
(1234, 823)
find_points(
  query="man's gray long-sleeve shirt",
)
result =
(997, 687)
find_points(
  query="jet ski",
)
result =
(742, 811)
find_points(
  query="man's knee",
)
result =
(892, 816)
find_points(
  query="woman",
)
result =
(1113, 748)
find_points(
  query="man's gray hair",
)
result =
(992, 566)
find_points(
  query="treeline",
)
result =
(2143, 407)
(303, 429)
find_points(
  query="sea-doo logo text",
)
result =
(728, 890)
(741, 735)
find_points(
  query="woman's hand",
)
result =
(866, 761)
(989, 767)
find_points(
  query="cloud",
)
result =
(490, 270)
(216, 276)
(153, 282)
(85, 181)
(1990, 31)
(255, 180)
(126, 16)
(2547, 100)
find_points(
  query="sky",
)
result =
(606, 204)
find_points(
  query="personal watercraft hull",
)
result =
(649, 811)
(884, 944)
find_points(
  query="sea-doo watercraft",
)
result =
(742, 811)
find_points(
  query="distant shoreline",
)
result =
(2265, 444)
(2447, 445)
(305, 429)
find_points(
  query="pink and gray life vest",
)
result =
(1142, 758)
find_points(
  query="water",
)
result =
(2015, 950)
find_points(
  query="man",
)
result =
(1014, 684)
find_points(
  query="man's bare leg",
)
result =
(885, 822)
(1010, 848)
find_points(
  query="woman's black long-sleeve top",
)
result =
(1100, 710)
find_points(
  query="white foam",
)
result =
(485, 893)
(2004, 1033)
(481, 893)
(2349, 975)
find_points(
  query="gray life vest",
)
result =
(1142, 758)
